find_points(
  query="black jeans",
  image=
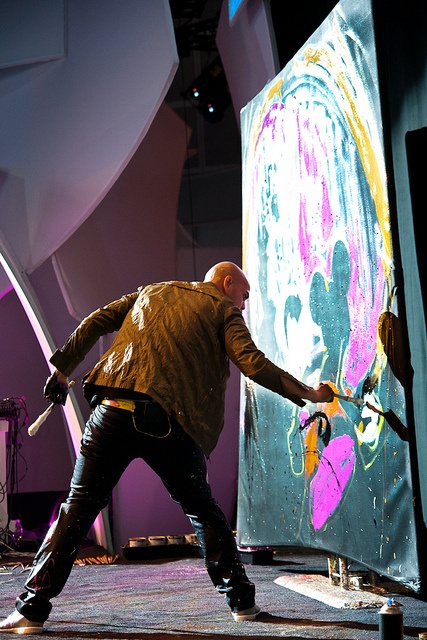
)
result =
(112, 439)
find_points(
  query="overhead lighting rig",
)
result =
(209, 92)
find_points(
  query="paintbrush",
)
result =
(369, 385)
(358, 401)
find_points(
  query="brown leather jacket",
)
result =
(174, 343)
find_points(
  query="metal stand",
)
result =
(10, 412)
(340, 575)
(338, 571)
(4, 518)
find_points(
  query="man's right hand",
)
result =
(324, 393)
(56, 388)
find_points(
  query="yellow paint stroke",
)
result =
(311, 454)
(292, 431)
(321, 57)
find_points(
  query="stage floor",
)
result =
(121, 599)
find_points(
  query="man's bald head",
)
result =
(230, 280)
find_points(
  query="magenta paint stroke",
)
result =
(332, 476)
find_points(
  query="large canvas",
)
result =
(318, 253)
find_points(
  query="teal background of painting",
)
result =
(373, 519)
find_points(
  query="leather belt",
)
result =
(122, 403)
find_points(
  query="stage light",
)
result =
(209, 92)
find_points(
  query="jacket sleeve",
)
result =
(102, 321)
(254, 364)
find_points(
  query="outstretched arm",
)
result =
(254, 364)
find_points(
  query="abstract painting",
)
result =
(324, 305)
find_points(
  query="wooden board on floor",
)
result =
(319, 587)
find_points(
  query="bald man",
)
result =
(157, 393)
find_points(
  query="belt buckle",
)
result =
(120, 403)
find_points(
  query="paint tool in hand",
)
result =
(32, 429)
(358, 401)
(369, 385)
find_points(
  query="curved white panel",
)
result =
(36, 318)
(130, 238)
(70, 126)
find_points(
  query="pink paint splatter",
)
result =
(334, 471)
